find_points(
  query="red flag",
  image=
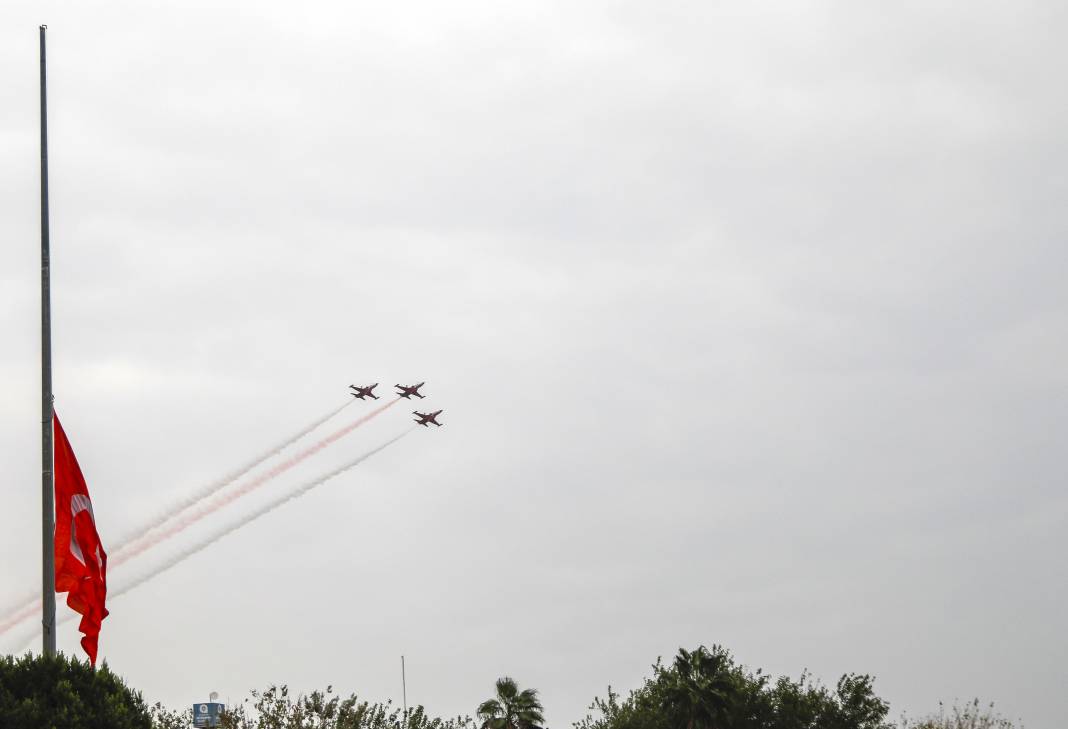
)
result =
(81, 563)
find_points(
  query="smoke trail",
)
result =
(231, 528)
(179, 506)
(195, 515)
(18, 617)
(252, 516)
(24, 602)
(27, 604)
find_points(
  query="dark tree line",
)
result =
(699, 689)
(61, 693)
(707, 689)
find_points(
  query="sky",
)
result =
(748, 320)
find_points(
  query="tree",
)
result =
(702, 689)
(641, 709)
(706, 689)
(805, 704)
(164, 718)
(969, 716)
(276, 708)
(512, 708)
(40, 693)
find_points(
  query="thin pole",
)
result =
(404, 691)
(48, 570)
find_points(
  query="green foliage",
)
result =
(61, 693)
(511, 708)
(164, 718)
(703, 689)
(276, 708)
(700, 689)
(640, 710)
(969, 716)
(706, 689)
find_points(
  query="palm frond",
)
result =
(507, 688)
(490, 709)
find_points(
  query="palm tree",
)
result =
(702, 688)
(512, 708)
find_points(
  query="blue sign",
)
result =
(207, 715)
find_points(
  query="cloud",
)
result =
(747, 321)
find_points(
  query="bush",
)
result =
(64, 693)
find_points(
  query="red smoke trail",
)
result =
(252, 516)
(197, 514)
(28, 604)
(233, 526)
(178, 507)
(19, 616)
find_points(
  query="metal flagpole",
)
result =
(48, 570)
(404, 688)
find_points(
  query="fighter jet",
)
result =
(410, 390)
(362, 392)
(425, 418)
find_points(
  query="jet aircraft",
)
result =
(362, 392)
(425, 418)
(407, 392)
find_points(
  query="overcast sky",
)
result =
(748, 320)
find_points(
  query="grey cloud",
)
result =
(747, 321)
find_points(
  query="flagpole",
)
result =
(48, 570)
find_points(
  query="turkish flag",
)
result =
(81, 563)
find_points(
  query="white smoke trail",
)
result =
(176, 508)
(25, 606)
(18, 616)
(195, 515)
(26, 639)
(251, 517)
